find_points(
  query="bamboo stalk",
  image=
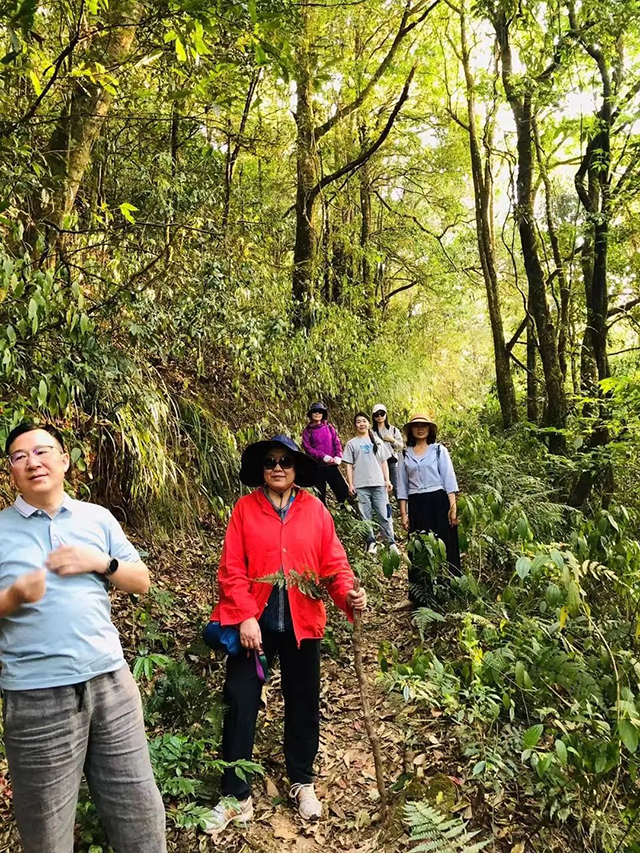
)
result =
(366, 707)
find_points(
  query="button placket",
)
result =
(55, 539)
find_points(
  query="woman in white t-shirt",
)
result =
(392, 437)
(368, 477)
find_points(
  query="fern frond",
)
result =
(307, 582)
(440, 834)
(425, 616)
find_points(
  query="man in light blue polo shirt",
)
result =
(70, 704)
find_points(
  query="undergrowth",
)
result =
(534, 654)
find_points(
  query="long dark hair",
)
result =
(375, 423)
(431, 437)
(371, 436)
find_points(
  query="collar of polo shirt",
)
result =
(27, 510)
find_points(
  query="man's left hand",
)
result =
(357, 599)
(72, 560)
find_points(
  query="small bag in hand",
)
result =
(222, 638)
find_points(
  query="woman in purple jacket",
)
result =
(320, 441)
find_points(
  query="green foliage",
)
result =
(181, 697)
(539, 671)
(438, 833)
(185, 767)
(428, 556)
(389, 560)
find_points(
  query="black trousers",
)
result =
(429, 513)
(300, 673)
(331, 474)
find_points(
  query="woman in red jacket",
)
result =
(280, 545)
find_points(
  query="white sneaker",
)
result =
(394, 549)
(309, 806)
(229, 810)
(372, 548)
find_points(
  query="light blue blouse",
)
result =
(427, 473)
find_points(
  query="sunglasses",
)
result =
(379, 414)
(270, 463)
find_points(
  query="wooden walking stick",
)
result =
(366, 706)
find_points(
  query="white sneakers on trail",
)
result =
(229, 810)
(394, 549)
(309, 806)
(372, 547)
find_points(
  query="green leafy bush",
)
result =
(538, 670)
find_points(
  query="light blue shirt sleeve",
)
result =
(403, 487)
(119, 545)
(447, 473)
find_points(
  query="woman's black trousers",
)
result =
(429, 513)
(300, 674)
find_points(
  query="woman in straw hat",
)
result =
(427, 489)
(278, 531)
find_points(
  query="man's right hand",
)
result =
(250, 634)
(30, 588)
(404, 521)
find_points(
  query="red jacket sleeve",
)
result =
(236, 602)
(308, 448)
(335, 565)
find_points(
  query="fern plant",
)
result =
(439, 834)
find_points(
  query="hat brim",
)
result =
(407, 427)
(252, 472)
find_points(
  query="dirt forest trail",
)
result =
(346, 781)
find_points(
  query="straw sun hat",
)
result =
(415, 420)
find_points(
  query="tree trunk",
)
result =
(308, 166)
(533, 412)
(327, 283)
(173, 195)
(563, 284)
(520, 101)
(365, 232)
(69, 150)
(597, 203)
(596, 200)
(483, 192)
(308, 169)
(234, 150)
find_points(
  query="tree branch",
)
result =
(620, 351)
(352, 165)
(523, 366)
(405, 29)
(10, 127)
(523, 325)
(622, 309)
(387, 297)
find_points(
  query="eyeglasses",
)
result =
(379, 414)
(284, 462)
(41, 453)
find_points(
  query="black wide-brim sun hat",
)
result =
(252, 472)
